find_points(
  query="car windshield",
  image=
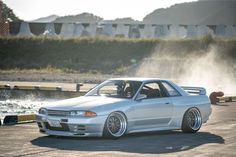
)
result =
(116, 89)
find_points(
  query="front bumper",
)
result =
(71, 126)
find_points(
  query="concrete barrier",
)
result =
(10, 119)
(25, 30)
(47, 88)
(7, 86)
(26, 118)
(107, 29)
(16, 119)
(23, 87)
(161, 31)
(148, 31)
(67, 30)
(31, 87)
(203, 30)
(50, 30)
(122, 30)
(220, 30)
(134, 31)
(78, 30)
(191, 31)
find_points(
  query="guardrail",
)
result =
(57, 88)
(13, 89)
(6, 86)
(39, 87)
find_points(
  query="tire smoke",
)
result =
(207, 67)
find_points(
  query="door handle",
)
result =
(167, 103)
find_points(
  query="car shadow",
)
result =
(152, 143)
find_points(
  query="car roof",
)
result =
(142, 79)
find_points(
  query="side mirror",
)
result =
(141, 97)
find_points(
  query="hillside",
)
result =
(123, 20)
(206, 12)
(84, 18)
(50, 18)
(202, 12)
(104, 55)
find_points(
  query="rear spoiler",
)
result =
(194, 90)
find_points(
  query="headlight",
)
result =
(42, 111)
(83, 113)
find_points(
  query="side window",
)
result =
(171, 91)
(151, 90)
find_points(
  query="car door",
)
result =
(155, 110)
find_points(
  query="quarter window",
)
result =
(171, 91)
(151, 90)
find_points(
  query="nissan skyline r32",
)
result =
(126, 105)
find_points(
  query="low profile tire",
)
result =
(115, 126)
(192, 121)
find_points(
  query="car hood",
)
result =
(82, 103)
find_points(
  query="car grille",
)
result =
(64, 127)
(58, 113)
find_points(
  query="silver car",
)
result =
(126, 105)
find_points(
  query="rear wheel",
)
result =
(115, 125)
(192, 121)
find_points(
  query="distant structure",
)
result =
(67, 30)
(161, 31)
(128, 30)
(191, 31)
(122, 30)
(220, 30)
(25, 30)
(50, 30)
(203, 30)
(134, 31)
(148, 31)
(78, 29)
(4, 26)
(107, 30)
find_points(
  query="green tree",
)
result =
(8, 13)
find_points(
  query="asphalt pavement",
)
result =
(216, 138)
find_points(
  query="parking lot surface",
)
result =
(216, 138)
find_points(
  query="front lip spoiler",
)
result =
(71, 134)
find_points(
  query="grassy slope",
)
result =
(106, 55)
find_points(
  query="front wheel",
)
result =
(115, 126)
(192, 121)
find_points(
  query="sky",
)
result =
(107, 9)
